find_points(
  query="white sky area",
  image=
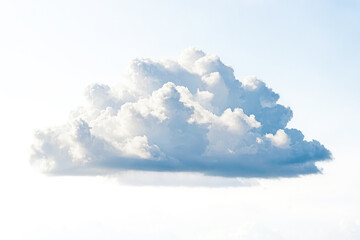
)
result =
(308, 52)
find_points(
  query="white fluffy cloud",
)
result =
(184, 115)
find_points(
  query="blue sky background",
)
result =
(307, 51)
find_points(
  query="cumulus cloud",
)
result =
(184, 115)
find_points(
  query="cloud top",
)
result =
(184, 115)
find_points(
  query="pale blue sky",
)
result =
(307, 51)
(307, 46)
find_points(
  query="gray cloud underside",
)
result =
(184, 115)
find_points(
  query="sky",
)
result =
(307, 52)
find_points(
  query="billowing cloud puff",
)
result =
(187, 115)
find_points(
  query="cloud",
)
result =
(184, 115)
